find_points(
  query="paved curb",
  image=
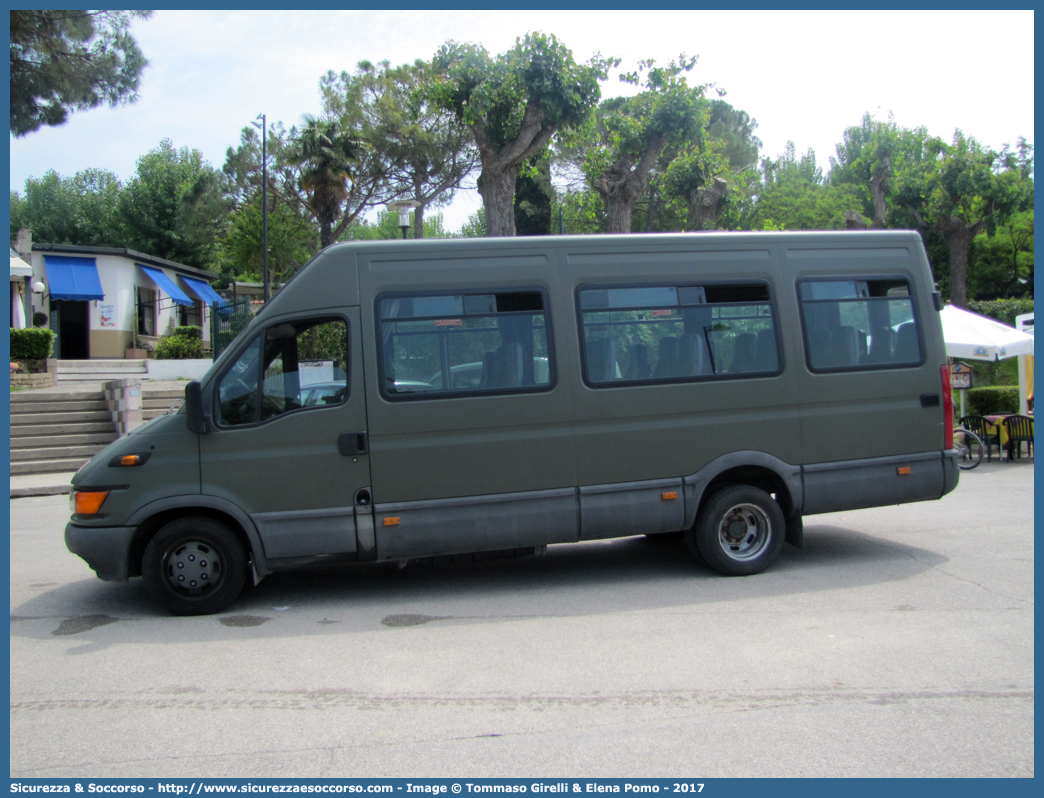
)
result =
(41, 490)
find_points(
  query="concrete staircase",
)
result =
(99, 371)
(58, 432)
(156, 402)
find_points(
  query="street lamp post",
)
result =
(403, 207)
(263, 127)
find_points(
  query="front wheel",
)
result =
(739, 530)
(194, 566)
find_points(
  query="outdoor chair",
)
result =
(1020, 428)
(987, 432)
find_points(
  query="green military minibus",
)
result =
(400, 400)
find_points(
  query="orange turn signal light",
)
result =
(393, 521)
(669, 496)
(90, 502)
(903, 471)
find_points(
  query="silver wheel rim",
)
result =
(193, 568)
(744, 532)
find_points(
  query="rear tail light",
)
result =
(947, 403)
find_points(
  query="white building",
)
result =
(97, 297)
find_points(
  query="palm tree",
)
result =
(326, 153)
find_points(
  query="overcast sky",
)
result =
(804, 76)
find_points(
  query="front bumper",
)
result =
(106, 549)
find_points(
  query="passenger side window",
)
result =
(677, 332)
(433, 346)
(851, 325)
(287, 367)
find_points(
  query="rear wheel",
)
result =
(194, 566)
(739, 530)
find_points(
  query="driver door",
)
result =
(288, 441)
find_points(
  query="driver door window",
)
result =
(283, 369)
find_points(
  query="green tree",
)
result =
(629, 135)
(1002, 265)
(291, 243)
(958, 191)
(425, 152)
(78, 210)
(794, 196)
(514, 104)
(175, 206)
(326, 153)
(70, 60)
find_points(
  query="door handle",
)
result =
(351, 443)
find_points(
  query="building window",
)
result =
(146, 306)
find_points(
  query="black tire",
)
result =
(739, 531)
(194, 566)
(968, 446)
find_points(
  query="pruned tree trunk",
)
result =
(497, 187)
(855, 221)
(958, 237)
(703, 210)
(501, 165)
(621, 186)
(877, 194)
(418, 222)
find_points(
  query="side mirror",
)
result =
(197, 422)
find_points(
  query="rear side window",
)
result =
(450, 344)
(289, 366)
(677, 332)
(850, 325)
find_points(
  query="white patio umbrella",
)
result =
(968, 335)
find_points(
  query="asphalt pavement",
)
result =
(899, 642)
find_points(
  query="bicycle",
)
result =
(969, 448)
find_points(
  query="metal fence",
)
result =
(228, 318)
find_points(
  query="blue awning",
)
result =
(206, 293)
(73, 278)
(167, 285)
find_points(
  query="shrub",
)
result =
(31, 344)
(191, 333)
(179, 348)
(1002, 310)
(996, 399)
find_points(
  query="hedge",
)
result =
(997, 399)
(31, 344)
(1002, 310)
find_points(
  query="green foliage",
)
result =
(420, 149)
(183, 343)
(494, 93)
(514, 104)
(534, 194)
(175, 206)
(77, 210)
(70, 60)
(190, 332)
(326, 151)
(995, 399)
(794, 195)
(1003, 264)
(291, 243)
(31, 344)
(1002, 310)
(386, 228)
(475, 226)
